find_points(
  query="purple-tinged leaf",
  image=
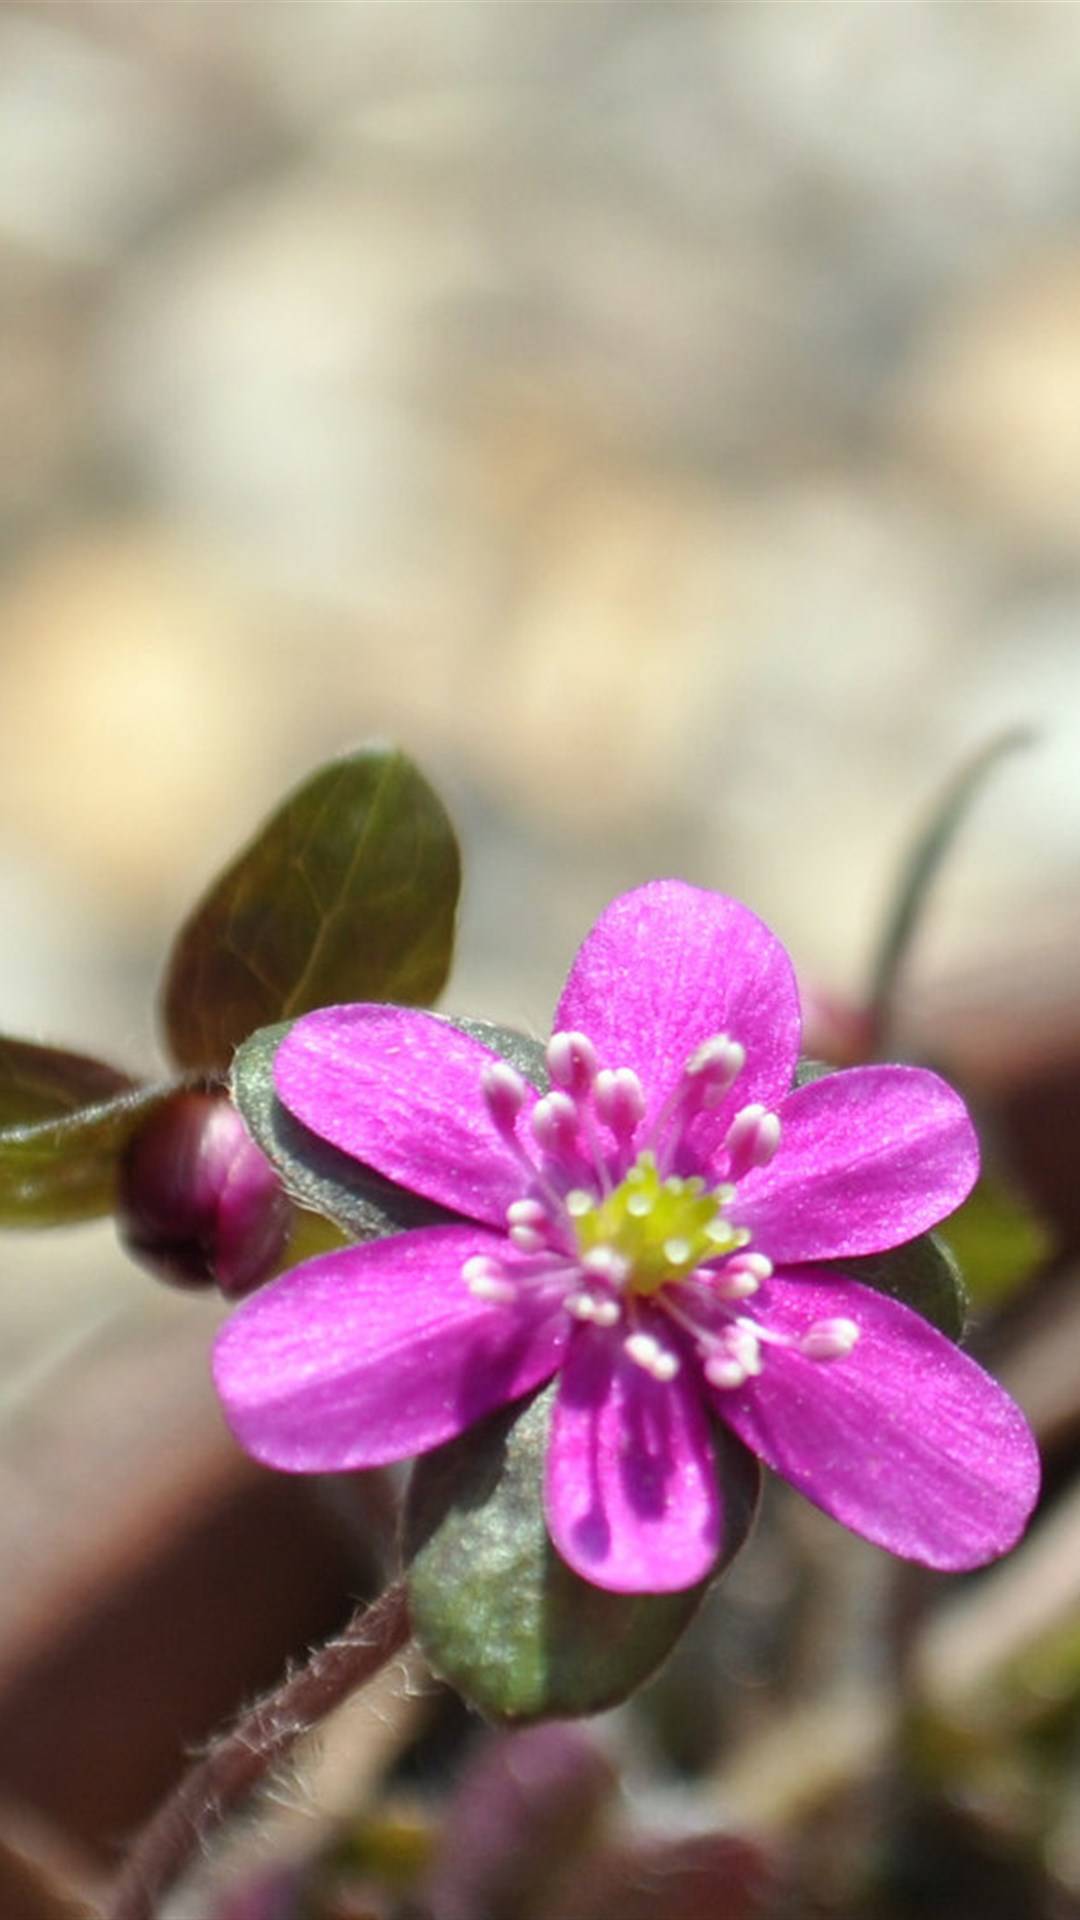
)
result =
(64, 1123)
(41, 1083)
(348, 892)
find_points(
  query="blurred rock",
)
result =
(992, 404)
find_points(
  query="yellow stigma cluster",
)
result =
(661, 1229)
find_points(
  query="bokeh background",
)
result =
(663, 420)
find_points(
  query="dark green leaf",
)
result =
(923, 1275)
(921, 868)
(54, 1171)
(41, 1083)
(348, 892)
(499, 1614)
(315, 1174)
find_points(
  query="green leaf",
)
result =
(498, 1614)
(348, 892)
(41, 1083)
(999, 1241)
(54, 1171)
(923, 1274)
(313, 1173)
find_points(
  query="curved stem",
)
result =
(262, 1737)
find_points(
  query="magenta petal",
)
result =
(631, 1496)
(377, 1352)
(401, 1092)
(669, 966)
(867, 1159)
(905, 1440)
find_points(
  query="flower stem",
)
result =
(262, 1737)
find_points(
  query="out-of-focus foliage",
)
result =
(999, 1241)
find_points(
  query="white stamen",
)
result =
(640, 1205)
(619, 1099)
(647, 1353)
(642, 1349)
(528, 1239)
(722, 1371)
(504, 1092)
(554, 1123)
(571, 1059)
(677, 1251)
(526, 1213)
(732, 1283)
(586, 1306)
(829, 1339)
(717, 1064)
(487, 1280)
(752, 1139)
(742, 1342)
(606, 1264)
(757, 1264)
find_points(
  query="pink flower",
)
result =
(653, 1230)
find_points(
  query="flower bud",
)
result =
(197, 1201)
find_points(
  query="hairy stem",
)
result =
(260, 1739)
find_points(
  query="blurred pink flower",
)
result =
(651, 1229)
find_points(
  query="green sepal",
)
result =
(347, 892)
(65, 1119)
(495, 1610)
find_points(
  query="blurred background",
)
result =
(662, 420)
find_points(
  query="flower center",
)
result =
(642, 1251)
(655, 1229)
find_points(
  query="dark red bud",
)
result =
(198, 1202)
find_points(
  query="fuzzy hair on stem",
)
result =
(240, 1758)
